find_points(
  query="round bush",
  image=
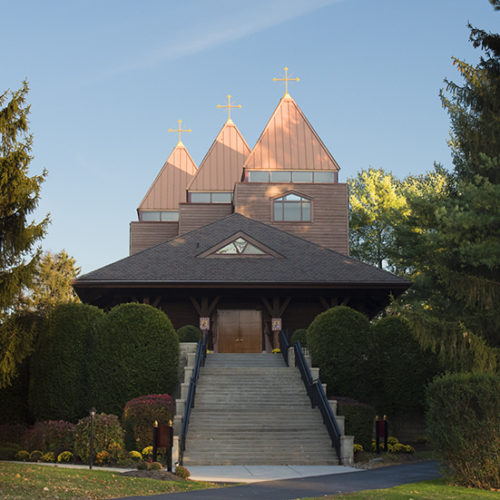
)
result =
(48, 457)
(402, 368)
(135, 455)
(23, 455)
(189, 333)
(65, 457)
(182, 472)
(300, 335)
(136, 352)
(35, 455)
(463, 424)
(108, 435)
(156, 466)
(59, 381)
(340, 344)
(139, 415)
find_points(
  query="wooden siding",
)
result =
(329, 226)
(289, 142)
(169, 187)
(223, 164)
(148, 234)
(195, 215)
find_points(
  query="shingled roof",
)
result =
(293, 261)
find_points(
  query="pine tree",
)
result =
(19, 196)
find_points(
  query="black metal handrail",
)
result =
(201, 355)
(318, 397)
(284, 345)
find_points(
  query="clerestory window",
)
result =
(292, 207)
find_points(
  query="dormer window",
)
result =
(292, 207)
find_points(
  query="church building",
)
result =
(253, 241)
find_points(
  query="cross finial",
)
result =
(229, 106)
(180, 130)
(286, 80)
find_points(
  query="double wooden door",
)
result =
(239, 331)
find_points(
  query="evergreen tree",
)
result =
(19, 196)
(451, 240)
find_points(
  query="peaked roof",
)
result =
(289, 142)
(169, 187)
(222, 166)
(183, 261)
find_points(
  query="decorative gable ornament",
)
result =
(240, 245)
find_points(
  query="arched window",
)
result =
(292, 207)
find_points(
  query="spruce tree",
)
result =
(19, 196)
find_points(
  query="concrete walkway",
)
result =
(315, 486)
(259, 473)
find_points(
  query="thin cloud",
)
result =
(258, 16)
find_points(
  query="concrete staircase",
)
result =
(251, 409)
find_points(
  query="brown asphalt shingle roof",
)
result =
(177, 261)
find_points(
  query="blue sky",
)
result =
(109, 78)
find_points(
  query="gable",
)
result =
(239, 245)
(289, 142)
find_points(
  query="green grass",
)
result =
(436, 489)
(28, 481)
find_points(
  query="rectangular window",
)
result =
(320, 177)
(254, 176)
(292, 211)
(306, 210)
(280, 176)
(278, 211)
(200, 197)
(148, 216)
(170, 216)
(222, 197)
(302, 176)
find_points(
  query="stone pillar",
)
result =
(347, 450)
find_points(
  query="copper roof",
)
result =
(169, 187)
(289, 142)
(222, 166)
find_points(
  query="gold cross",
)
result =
(286, 80)
(180, 130)
(228, 106)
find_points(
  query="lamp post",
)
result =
(92, 415)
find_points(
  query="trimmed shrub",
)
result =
(107, 434)
(136, 352)
(156, 466)
(340, 343)
(65, 457)
(59, 387)
(300, 335)
(142, 465)
(53, 435)
(23, 455)
(139, 415)
(463, 423)
(189, 333)
(8, 451)
(182, 472)
(14, 407)
(359, 420)
(35, 455)
(402, 368)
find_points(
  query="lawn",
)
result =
(28, 481)
(436, 489)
